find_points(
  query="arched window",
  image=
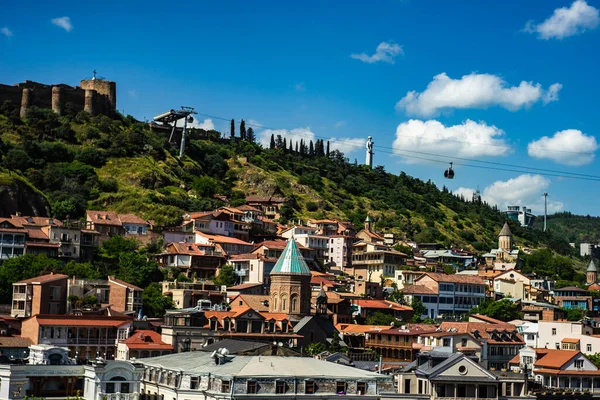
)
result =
(283, 303)
(294, 303)
(274, 300)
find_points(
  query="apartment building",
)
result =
(192, 294)
(125, 297)
(340, 251)
(12, 239)
(397, 344)
(227, 245)
(142, 344)
(573, 297)
(46, 294)
(320, 244)
(373, 262)
(453, 294)
(253, 267)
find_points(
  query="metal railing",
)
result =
(118, 396)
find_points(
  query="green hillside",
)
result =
(573, 228)
(79, 162)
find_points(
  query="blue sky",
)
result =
(468, 79)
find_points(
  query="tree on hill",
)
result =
(250, 135)
(272, 143)
(243, 130)
(226, 276)
(232, 128)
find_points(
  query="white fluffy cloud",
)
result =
(385, 52)
(464, 140)
(568, 147)
(6, 32)
(566, 21)
(345, 145)
(207, 124)
(474, 91)
(524, 190)
(63, 22)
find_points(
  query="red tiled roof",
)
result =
(14, 341)
(39, 221)
(417, 289)
(275, 244)
(570, 340)
(131, 219)
(319, 280)
(551, 358)
(275, 316)
(489, 320)
(103, 217)
(222, 239)
(45, 278)
(381, 304)
(360, 329)
(246, 207)
(36, 234)
(244, 286)
(191, 249)
(566, 372)
(146, 340)
(42, 244)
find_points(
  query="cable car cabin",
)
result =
(449, 173)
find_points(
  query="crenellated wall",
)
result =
(96, 96)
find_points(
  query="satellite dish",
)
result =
(224, 351)
(274, 343)
(280, 344)
(214, 354)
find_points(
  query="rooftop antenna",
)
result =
(545, 194)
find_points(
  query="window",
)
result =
(340, 387)
(194, 382)
(508, 390)
(252, 387)
(294, 304)
(446, 342)
(589, 348)
(361, 388)
(578, 363)
(110, 388)
(463, 342)
(553, 331)
(407, 386)
(225, 386)
(528, 360)
(309, 387)
(280, 387)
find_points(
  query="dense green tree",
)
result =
(272, 143)
(138, 269)
(243, 130)
(226, 276)
(503, 310)
(574, 314)
(335, 343)
(154, 303)
(112, 248)
(232, 128)
(381, 318)
(250, 136)
(16, 159)
(595, 358)
(23, 267)
(419, 309)
(315, 348)
(327, 152)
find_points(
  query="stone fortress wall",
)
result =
(96, 96)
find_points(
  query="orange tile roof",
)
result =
(222, 239)
(42, 244)
(417, 289)
(44, 278)
(275, 316)
(515, 360)
(551, 358)
(381, 304)
(146, 340)
(319, 280)
(191, 249)
(570, 340)
(40, 221)
(566, 372)
(489, 320)
(254, 301)
(36, 234)
(244, 286)
(200, 214)
(360, 329)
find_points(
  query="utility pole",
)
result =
(545, 194)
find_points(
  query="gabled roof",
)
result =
(291, 261)
(131, 219)
(112, 279)
(381, 304)
(44, 279)
(551, 358)
(257, 302)
(103, 217)
(453, 278)
(222, 239)
(146, 340)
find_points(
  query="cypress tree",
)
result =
(243, 130)
(328, 148)
(311, 149)
(297, 151)
(232, 129)
(278, 141)
(284, 144)
(272, 144)
(250, 135)
(291, 147)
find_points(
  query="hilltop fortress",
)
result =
(96, 96)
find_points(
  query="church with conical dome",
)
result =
(290, 291)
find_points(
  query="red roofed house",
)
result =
(396, 344)
(567, 370)
(228, 245)
(12, 239)
(107, 223)
(124, 297)
(86, 336)
(46, 294)
(142, 344)
(365, 308)
(270, 205)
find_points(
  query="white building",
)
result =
(340, 251)
(567, 335)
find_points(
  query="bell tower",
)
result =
(290, 283)
(591, 273)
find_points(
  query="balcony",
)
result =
(241, 272)
(22, 296)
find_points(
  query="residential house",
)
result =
(202, 293)
(228, 245)
(46, 294)
(270, 205)
(373, 262)
(564, 370)
(252, 268)
(444, 375)
(340, 251)
(142, 344)
(460, 260)
(397, 344)
(573, 297)
(106, 223)
(369, 235)
(12, 239)
(199, 261)
(295, 230)
(124, 297)
(365, 308)
(568, 335)
(318, 243)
